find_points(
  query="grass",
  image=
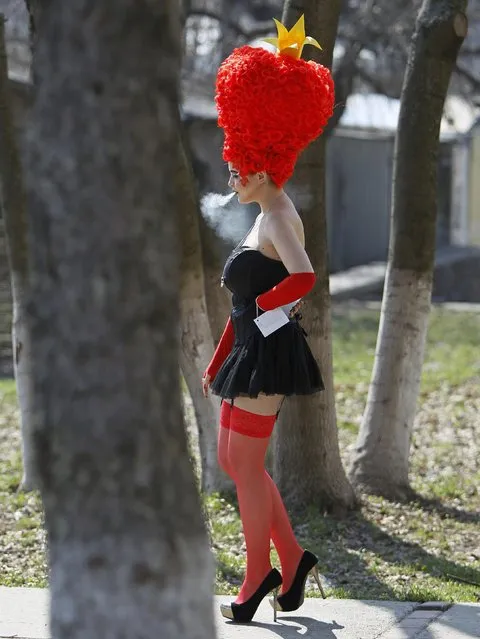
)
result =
(451, 356)
(385, 550)
(22, 539)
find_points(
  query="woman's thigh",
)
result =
(261, 405)
(248, 440)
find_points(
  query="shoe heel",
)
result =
(275, 595)
(316, 576)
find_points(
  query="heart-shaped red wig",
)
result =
(270, 107)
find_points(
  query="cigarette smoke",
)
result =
(225, 215)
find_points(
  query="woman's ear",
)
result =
(262, 177)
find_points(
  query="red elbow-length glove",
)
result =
(222, 351)
(288, 290)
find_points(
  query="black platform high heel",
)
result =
(243, 613)
(295, 595)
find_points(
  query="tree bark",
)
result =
(380, 464)
(14, 213)
(127, 546)
(34, 8)
(306, 442)
(218, 299)
(197, 344)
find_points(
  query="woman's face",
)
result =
(247, 189)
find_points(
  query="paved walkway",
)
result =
(24, 615)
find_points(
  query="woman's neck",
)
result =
(268, 202)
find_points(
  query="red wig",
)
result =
(271, 107)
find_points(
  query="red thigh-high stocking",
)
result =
(223, 437)
(234, 455)
(289, 550)
(247, 445)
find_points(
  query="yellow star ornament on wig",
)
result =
(291, 42)
(272, 105)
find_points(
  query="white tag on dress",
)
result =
(271, 321)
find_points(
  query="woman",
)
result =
(270, 107)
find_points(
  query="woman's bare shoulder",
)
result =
(285, 213)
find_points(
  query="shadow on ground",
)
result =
(355, 555)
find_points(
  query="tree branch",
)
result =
(468, 75)
(246, 34)
(13, 199)
(375, 83)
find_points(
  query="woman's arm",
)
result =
(293, 255)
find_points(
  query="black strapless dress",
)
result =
(280, 364)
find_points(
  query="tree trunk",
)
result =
(218, 298)
(34, 8)
(306, 441)
(127, 546)
(197, 343)
(218, 306)
(380, 463)
(14, 212)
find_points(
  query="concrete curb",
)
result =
(24, 615)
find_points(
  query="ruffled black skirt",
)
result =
(280, 364)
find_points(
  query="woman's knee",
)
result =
(245, 466)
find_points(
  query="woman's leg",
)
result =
(288, 549)
(247, 456)
(223, 437)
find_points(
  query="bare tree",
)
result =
(380, 463)
(381, 31)
(14, 214)
(377, 34)
(213, 28)
(205, 306)
(127, 546)
(371, 49)
(307, 460)
(197, 343)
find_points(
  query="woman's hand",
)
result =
(294, 310)
(205, 384)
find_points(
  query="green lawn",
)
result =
(22, 539)
(386, 550)
(452, 355)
